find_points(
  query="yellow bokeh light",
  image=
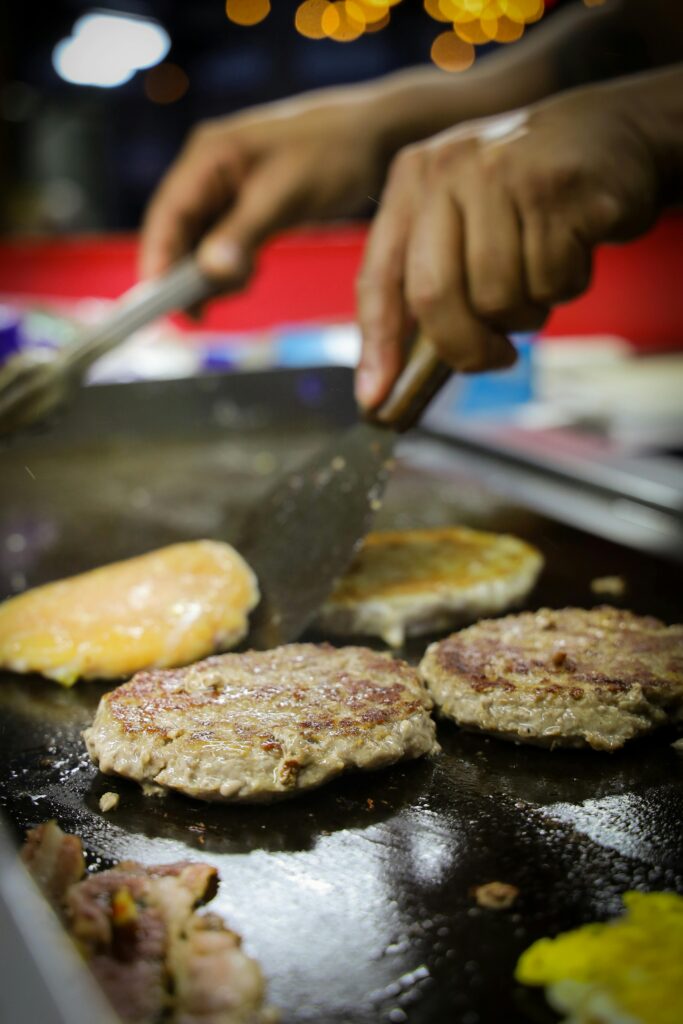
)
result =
(506, 31)
(522, 11)
(309, 17)
(371, 13)
(381, 3)
(475, 31)
(451, 53)
(454, 11)
(247, 12)
(343, 21)
(434, 10)
(377, 26)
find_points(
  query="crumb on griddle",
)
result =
(496, 895)
(109, 802)
(613, 586)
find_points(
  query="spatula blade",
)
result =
(302, 537)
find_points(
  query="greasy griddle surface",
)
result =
(356, 898)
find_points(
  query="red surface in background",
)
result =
(636, 293)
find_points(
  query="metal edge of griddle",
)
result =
(44, 979)
(309, 397)
(599, 506)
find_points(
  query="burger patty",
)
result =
(410, 582)
(567, 678)
(264, 724)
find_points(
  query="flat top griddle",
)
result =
(356, 898)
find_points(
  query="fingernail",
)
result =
(366, 387)
(221, 258)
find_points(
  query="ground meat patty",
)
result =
(568, 678)
(410, 582)
(265, 724)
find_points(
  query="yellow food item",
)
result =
(160, 610)
(627, 971)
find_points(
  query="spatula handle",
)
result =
(423, 375)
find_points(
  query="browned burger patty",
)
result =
(265, 724)
(568, 678)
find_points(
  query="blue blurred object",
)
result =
(322, 345)
(10, 332)
(491, 396)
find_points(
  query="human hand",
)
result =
(486, 226)
(242, 178)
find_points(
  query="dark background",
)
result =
(76, 158)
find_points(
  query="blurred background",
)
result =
(95, 102)
(86, 134)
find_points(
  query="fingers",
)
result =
(382, 311)
(557, 262)
(437, 289)
(272, 197)
(202, 182)
(494, 257)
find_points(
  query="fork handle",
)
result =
(183, 286)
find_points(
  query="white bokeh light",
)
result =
(106, 49)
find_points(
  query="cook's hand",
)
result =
(484, 227)
(240, 179)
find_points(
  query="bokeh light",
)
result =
(106, 49)
(377, 26)
(247, 12)
(343, 21)
(434, 11)
(474, 31)
(522, 11)
(166, 83)
(507, 31)
(471, 23)
(372, 13)
(451, 53)
(309, 17)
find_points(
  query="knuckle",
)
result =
(492, 299)
(426, 296)
(546, 186)
(405, 164)
(201, 135)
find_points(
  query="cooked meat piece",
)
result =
(54, 859)
(215, 982)
(162, 609)
(265, 724)
(496, 895)
(569, 678)
(155, 958)
(612, 586)
(126, 920)
(109, 802)
(409, 582)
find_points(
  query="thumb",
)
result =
(267, 202)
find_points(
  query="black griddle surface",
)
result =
(356, 898)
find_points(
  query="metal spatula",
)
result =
(32, 388)
(302, 537)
